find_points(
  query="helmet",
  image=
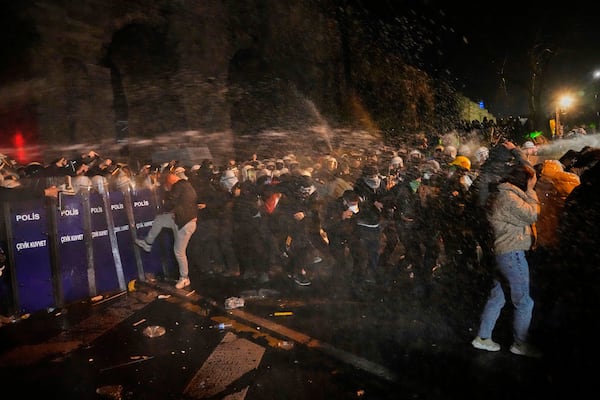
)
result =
(397, 162)
(228, 179)
(331, 163)
(528, 145)
(462, 162)
(482, 154)
(180, 172)
(450, 151)
(415, 155)
(432, 166)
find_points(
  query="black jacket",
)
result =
(182, 201)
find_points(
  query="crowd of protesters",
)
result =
(375, 214)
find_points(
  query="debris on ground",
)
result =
(234, 302)
(154, 331)
(110, 391)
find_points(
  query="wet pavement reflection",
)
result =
(236, 339)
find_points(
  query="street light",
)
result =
(563, 103)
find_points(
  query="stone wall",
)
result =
(257, 73)
(239, 66)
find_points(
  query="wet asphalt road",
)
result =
(387, 342)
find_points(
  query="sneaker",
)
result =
(302, 280)
(524, 349)
(144, 245)
(485, 344)
(182, 282)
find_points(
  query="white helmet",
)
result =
(528, 145)
(450, 152)
(415, 155)
(482, 154)
(397, 162)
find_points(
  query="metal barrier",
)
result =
(78, 246)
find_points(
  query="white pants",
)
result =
(182, 238)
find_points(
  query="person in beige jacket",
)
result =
(513, 211)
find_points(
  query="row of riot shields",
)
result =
(77, 246)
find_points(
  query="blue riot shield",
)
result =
(120, 204)
(105, 265)
(74, 268)
(30, 246)
(144, 211)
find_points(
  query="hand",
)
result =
(299, 216)
(509, 145)
(347, 214)
(51, 191)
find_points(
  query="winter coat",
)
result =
(552, 188)
(181, 200)
(339, 230)
(512, 213)
(493, 170)
(369, 214)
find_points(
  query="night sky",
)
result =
(470, 43)
(494, 37)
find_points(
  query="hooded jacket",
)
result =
(511, 215)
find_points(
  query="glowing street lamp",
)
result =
(563, 103)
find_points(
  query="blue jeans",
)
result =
(182, 237)
(514, 268)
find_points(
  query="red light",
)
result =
(18, 140)
(19, 143)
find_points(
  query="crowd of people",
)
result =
(433, 213)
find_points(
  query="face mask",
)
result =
(426, 175)
(353, 208)
(305, 192)
(414, 185)
(373, 182)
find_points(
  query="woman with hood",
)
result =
(514, 209)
